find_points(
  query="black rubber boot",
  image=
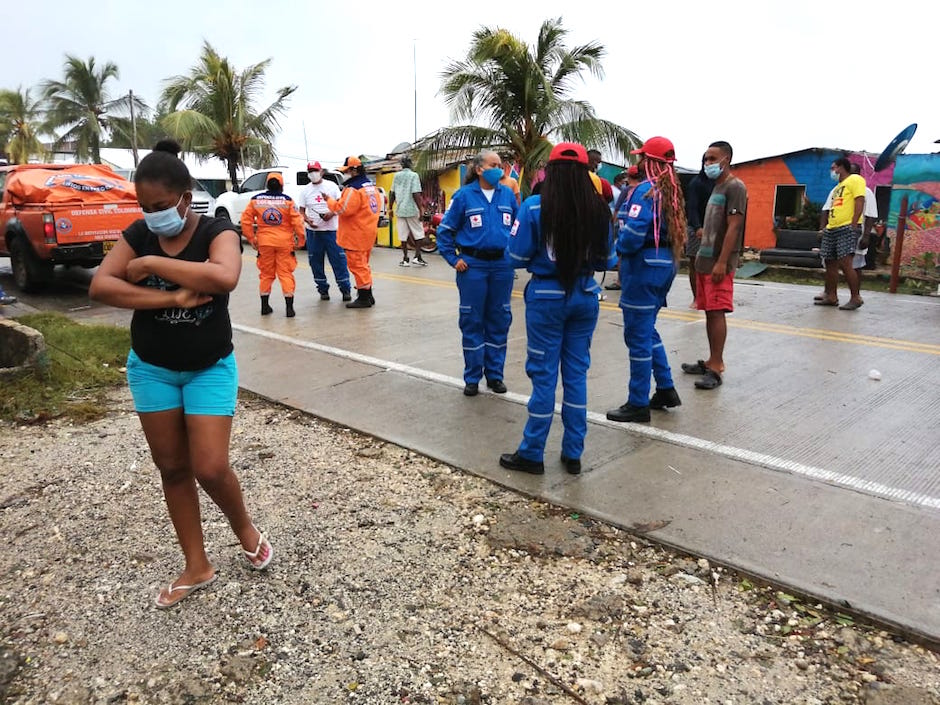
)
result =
(665, 399)
(289, 300)
(628, 413)
(265, 306)
(371, 297)
(363, 299)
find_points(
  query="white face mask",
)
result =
(315, 176)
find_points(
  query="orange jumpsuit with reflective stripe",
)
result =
(358, 208)
(280, 228)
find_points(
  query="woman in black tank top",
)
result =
(175, 269)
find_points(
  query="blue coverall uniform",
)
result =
(476, 230)
(559, 327)
(646, 274)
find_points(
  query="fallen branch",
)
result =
(557, 683)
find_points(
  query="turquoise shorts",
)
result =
(209, 392)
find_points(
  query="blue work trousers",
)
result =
(643, 293)
(559, 332)
(320, 243)
(485, 315)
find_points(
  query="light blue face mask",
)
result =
(166, 223)
(834, 175)
(493, 175)
(713, 171)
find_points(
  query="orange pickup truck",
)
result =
(61, 214)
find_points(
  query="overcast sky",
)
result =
(767, 76)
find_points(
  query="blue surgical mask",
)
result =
(492, 176)
(166, 223)
(834, 175)
(713, 171)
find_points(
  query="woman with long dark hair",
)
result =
(652, 228)
(561, 237)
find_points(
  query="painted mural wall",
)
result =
(810, 169)
(917, 176)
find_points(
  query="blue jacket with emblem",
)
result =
(528, 250)
(647, 268)
(475, 222)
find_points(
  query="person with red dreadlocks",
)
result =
(651, 225)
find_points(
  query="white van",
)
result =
(232, 204)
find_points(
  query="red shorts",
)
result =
(710, 296)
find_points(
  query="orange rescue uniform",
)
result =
(280, 228)
(358, 209)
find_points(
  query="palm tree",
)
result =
(21, 123)
(82, 105)
(219, 118)
(516, 100)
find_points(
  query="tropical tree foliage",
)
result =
(21, 124)
(212, 112)
(516, 100)
(144, 132)
(81, 105)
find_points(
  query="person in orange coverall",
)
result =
(280, 228)
(358, 208)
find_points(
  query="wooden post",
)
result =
(898, 245)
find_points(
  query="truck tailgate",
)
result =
(89, 222)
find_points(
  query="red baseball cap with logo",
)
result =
(569, 152)
(658, 148)
(314, 166)
(633, 171)
(350, 163)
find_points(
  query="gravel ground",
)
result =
(395, 580)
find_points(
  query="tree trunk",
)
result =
(232, 163)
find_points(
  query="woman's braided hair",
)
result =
(668, 203)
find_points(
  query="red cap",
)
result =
(314, 166)
(350, 163)
(633, 171)
(568, 152)
(658, 148)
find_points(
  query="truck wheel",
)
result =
(29, 272)
(222, 213)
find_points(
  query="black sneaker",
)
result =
(420, 262)
(665, 399)
(572, 465)
(471, 389)
(347, 296)
(497, 385)
(514, 461)
(627, 413)
(324, 296)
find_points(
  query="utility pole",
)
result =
(130, 95)
(414, 61)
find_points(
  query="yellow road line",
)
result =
(760, 326)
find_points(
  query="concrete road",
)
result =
(800, 469)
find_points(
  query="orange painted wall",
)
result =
(761, 179)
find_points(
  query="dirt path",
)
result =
(396, 580)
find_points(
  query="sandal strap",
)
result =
(261, 541)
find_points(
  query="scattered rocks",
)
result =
(388, 569)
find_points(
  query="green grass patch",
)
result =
(871, 280)
(82, 364)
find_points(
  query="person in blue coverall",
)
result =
(561, 236)
(652, 227)
(472, 238)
